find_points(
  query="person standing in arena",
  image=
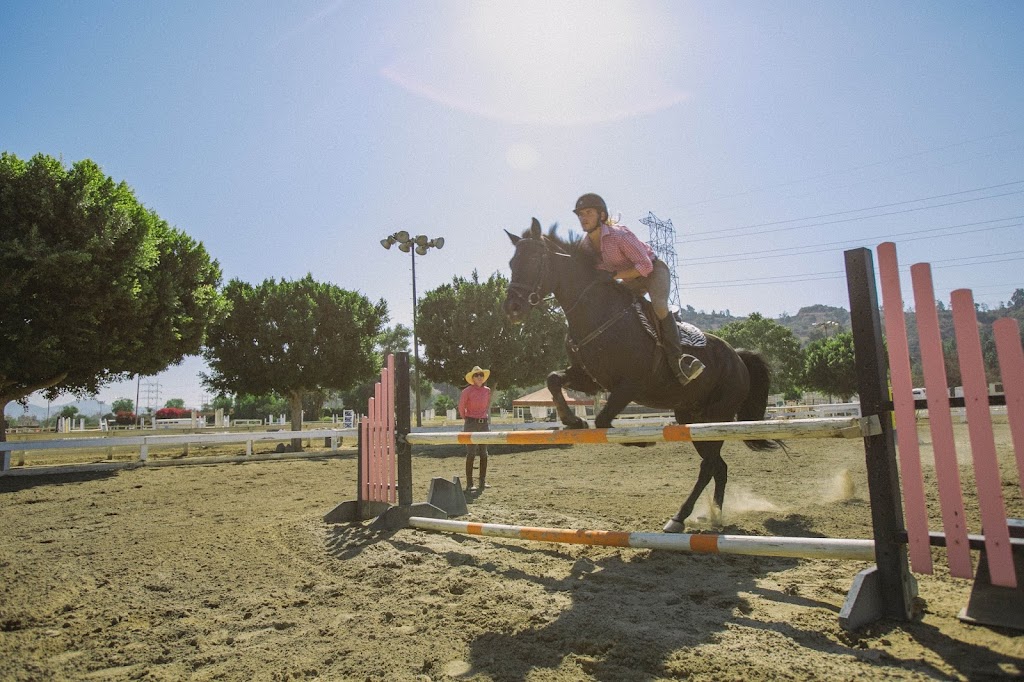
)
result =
(475, 408)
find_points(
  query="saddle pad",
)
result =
(689, 335)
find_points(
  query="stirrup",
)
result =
(690, 370)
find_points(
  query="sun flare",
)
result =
(545, 62)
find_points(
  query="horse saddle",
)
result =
(689, 335)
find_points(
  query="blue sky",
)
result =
(292, 137)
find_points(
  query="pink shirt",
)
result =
(475, 402)
(622, 250)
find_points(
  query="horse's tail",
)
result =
(756, 403)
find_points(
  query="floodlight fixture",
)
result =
(419, 244)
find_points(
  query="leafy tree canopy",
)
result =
(95, 286)
(829, 366)
(123, 405)
(293, 337)
(443, 403)
(395, 339)
(1017, 300)
(175, 402)
(776, 343)
(461, 325)
(250, 406)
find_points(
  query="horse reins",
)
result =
(534, 298)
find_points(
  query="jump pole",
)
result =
(830, 427)
(750, 545)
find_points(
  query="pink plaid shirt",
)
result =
(622, 250)
(475, 402)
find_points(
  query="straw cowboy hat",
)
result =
(477, 370)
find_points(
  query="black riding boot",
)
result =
(686, 367)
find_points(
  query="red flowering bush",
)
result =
(173, 413)
(125, 418)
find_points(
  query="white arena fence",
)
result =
(144, 443)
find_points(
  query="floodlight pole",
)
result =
(413, 244)
(415, 342)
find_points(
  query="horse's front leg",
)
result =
(556, 381)
(618, 398)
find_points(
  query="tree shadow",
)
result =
(12, 484)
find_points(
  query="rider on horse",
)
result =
(621, 253)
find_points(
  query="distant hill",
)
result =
(816, 321)
(809, 323)
(86, 408)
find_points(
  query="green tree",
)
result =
(829, 366)
(443, 403)
(951, 359)
(293, 337)
(175, 402)
(395, 339)
(248, 406)
(95, 286)
(123, 405)
(1016, 300)
(461, 325)
(68, 412)
(779, 346)
(220, 402)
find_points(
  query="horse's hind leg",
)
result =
(712, 466)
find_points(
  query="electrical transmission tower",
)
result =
(152, 395)
(663, 241)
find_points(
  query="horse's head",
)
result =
(531, 279)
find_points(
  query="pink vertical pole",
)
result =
(1011, 369)
(389, 430)
(941, 423)
(364, 455)
(380, 466)
(378, 439)
(915, 509)
(371, 450)
(385, 447)
(983, 442)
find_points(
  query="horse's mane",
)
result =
(569, 245)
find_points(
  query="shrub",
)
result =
(125, 418)
(173, 413)
(443, 403)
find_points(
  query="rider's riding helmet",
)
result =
(591, 201)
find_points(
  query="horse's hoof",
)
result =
(674, 526)
(578, 424)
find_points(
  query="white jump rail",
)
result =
(751, 545)
(145, 442)
(834, 427)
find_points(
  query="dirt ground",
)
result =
(227, 572)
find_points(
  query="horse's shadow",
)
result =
(628, 612)
(628, 615)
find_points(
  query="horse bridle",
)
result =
(533, 295)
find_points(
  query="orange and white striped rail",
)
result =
(825, 427)
(799, 548)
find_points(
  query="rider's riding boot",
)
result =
(686, 367)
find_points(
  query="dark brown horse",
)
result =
(610, 349)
